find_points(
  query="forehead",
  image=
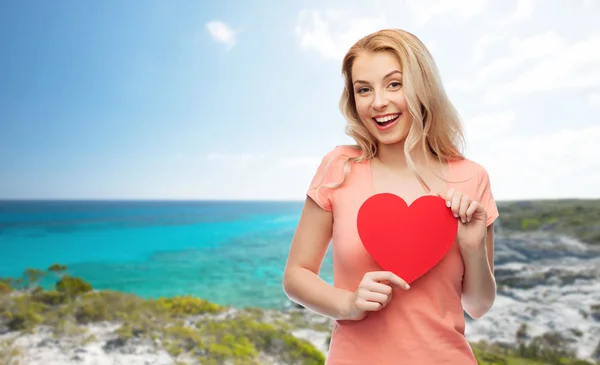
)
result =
(373, 66)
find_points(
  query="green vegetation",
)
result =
(194, 331)
(190, 329)
(548, 349)
(539, 352)
(542, 350)
(573, 217)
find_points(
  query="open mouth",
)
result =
(387, 120)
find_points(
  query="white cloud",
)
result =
(483, 43)
(562, 67)
(427, 11)
(540, 63)
(222, 32)
(500, 28)
(546, 165)
(522, 50)
(485, 126)
(519, 52)
(331, 33)
(523, 10)
(594, 99)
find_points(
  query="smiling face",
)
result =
(379, 97)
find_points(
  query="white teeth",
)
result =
(386, 119)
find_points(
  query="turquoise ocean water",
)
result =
(232, 253)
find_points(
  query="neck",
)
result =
(392, 156)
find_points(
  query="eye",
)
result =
(362, 90)
(395, 84)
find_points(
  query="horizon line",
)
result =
(238, 200)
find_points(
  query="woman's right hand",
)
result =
(373, 293)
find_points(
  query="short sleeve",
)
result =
(486, 197)
(330, 171)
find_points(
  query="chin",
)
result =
(388, 140)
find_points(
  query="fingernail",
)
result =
(448, 203)
(407, 286)
(455, 215)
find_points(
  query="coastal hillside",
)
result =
(579, 218)
(72, 323)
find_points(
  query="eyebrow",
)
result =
(385, 77)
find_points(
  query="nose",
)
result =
(380, 100)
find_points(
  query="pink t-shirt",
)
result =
(421, 326)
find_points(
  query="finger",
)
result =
(449, 195)
(473, 207)
(455, 206)
(443, 197)
(464, 205)
(390, 276)
(364, 305)
(379, 288)
(371, 296)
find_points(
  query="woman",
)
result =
(407, 137)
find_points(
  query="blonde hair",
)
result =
(436, 123)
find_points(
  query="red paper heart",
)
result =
(407, 241)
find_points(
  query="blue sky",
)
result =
(238, 100)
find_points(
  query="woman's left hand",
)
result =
(472, 218)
